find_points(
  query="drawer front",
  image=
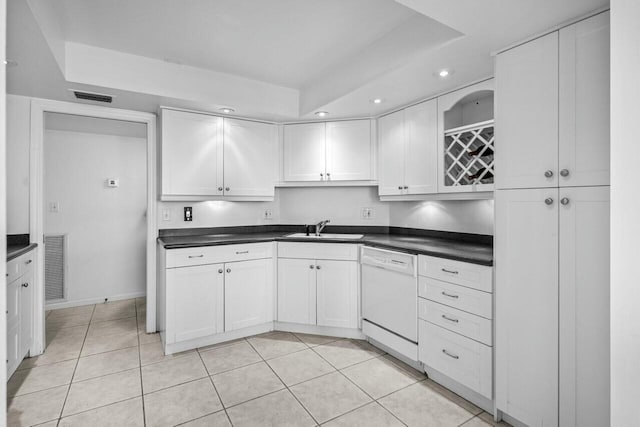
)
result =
(218, 254)
(460, 297)
(461, 273)
(471, 326)
(303, 250)
(462, 359)
(14, 269)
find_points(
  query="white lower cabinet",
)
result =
(247, 287)
(318, 291)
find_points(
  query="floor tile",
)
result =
(347, 352)
(421, 405)
(277, 409)
(476, 422)
(314, 340)
(230, 357)
(56, 335)
(219, 419)
(111, 327)
(246, 383)
(301, 366)
(70, 311)
(419, 375)
(146, 338)
(448, 394)
(379, 377)
(102, 391)
(329, 396)
(40, 378)
(48, 358)
(53, 423)
(111, 362)
(99, 344)
(371, 415)
(68, 321)
(36, 408)
(172, 372)
(221, 344)
(114, 310)
(274, 344)
(128, 412)
(181, 403)
(154, 353)
(488, 419)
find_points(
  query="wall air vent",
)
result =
(97, 97)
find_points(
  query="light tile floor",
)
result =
(101, 369)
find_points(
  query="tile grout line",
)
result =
(144, 415)
(224, 408)
(280, 379)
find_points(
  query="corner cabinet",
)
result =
(20, 301)
(206, 157)
(328, 152)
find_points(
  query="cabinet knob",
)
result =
(312, 266)
(548, 173)
(219, 188)
(564, 201)
(406, 187)
(29, 261)
(228, 270)
(220, 270)
(548, 201)
(399, 187)
(317, 267)
(328, 175)
(227, 189)
(564, 172)
(25, 285)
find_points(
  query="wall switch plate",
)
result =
(54, 207)
(113, 182)
(267, 214)
(166, 214)
(188, 213)
(367, 213)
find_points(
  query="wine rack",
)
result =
(468, 154)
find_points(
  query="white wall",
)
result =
(18, 131)
(106, 227)
(625, 209)
(216, 214)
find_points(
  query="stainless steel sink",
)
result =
(312, 236)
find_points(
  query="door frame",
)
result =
(36, 199)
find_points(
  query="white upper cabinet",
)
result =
(527, 115)
(333, 151)
(192, 147)
(250, 158)
(207, 157)
(466, 140)
(584, 103)
(304, 152)
(407, 151)
(349, 151)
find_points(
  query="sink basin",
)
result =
(326, 236)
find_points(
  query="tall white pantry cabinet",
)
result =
(552, 227)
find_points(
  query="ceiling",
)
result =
(279, 60)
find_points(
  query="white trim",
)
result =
(54, 305)
(36, 207)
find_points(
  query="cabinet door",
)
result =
(297, 291)
(250, 158)
(13, 349)
(349, 150)
(191, 154)
(304, 152)
(584, 102)
(527, 305)
(527, 115)
(337, 293)
(26, 312)
(13, 302)
(584, 306)
(391, 154)
(421, 148)
(248, 293)
(195, 298)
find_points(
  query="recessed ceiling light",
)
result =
(322, 114)
(377, 101)
(443, 73)
(227, 110)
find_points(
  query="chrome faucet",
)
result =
(320, 226)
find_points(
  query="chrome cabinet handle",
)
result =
(449, 271)
(564, 172)
(406, 187)
(29, 261)
(450, 295)
(328, 175)
(548, 173)
(312, 267)
(564, 201)
(220, 270)
(227, 189)
(444, 316)
(548, 201)
(317, 267)
(399, 187)
(228, 270)
(219, 188)
(321, 175)
(25, 285)
(241, 252)
(449, 354)
(196, 256)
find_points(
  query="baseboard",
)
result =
(461, 390)
(214, 339)
(329, 331)
(89, 301)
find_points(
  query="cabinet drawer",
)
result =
(462, 359)
(337, 251)
(218, 254)
(14, 269)
(471, 326)
(461, 273)
(460, 297)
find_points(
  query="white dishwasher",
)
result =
(390, 299)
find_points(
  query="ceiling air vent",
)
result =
(88, 96)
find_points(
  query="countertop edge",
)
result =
(21, 251)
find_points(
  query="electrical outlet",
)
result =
(188, 213)
(367, 213)
(166, 214)
(267, 214)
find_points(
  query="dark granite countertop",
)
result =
(18, 244)
(476, 249)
